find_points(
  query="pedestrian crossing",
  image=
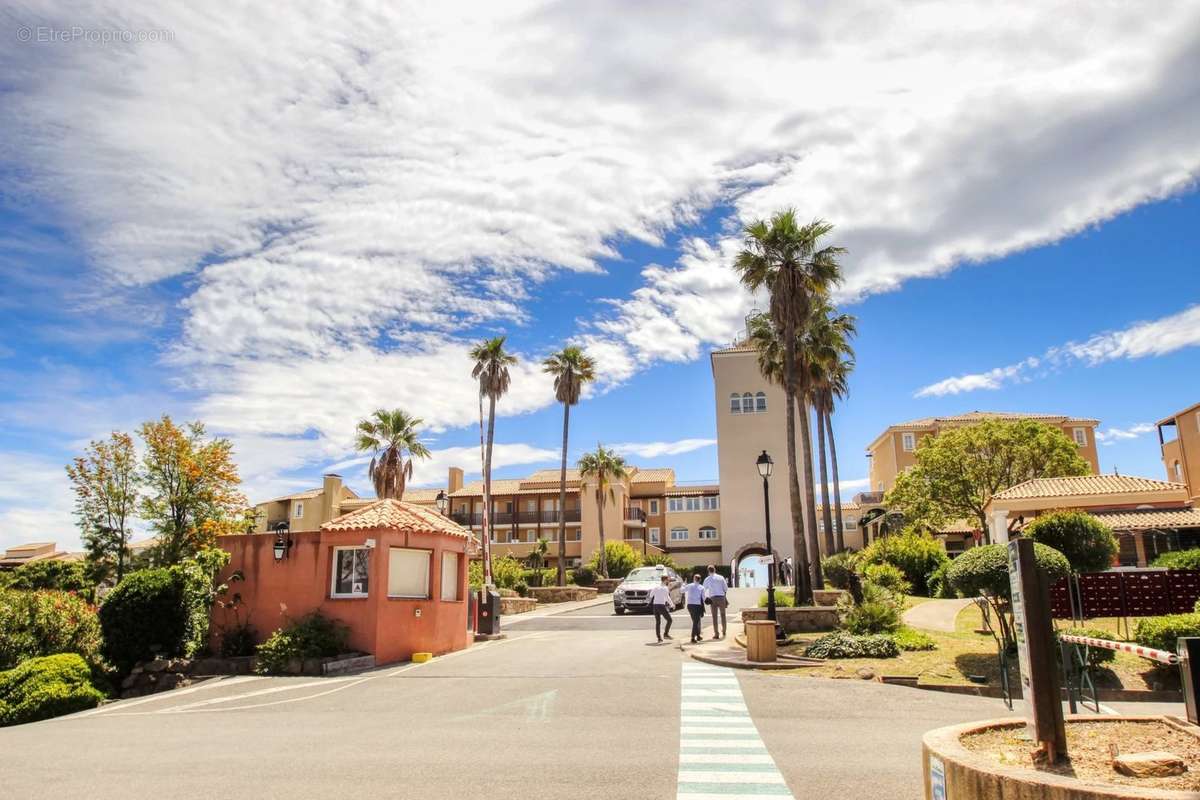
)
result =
(721, 756)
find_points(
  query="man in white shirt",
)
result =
(694, 599)
(716, 588)
(661, 605)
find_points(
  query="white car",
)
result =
(634, 592)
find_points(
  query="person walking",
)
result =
(661, 605)
(694, 597)
(716, 588)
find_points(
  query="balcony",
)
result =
(635, 516)
(570, 515)
(467, 518)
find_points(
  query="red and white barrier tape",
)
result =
(1162, 656)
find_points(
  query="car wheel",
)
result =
(619, 610)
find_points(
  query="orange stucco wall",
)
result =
(387, 627)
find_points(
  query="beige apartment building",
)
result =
(310, 509)
(1179, 440)
(894, 450)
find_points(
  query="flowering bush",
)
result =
(43, 623)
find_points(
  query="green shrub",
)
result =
(913, 553)
(1161, 633)
(522, 589)
(1179, 559)
(1096, 655)
(985, 569)
(839, 567)
(657, 559)
(144, 617)
(34, 624)
(847, 645)
(1086, 542)
(62, 576)
(312, 636)
(583, 576)
(782, 599)
(46, 687)
(938, 585)
(622, 559)
(507, 572)
(879, 612)
(887, 576)
(908, 639)
(238, 640)
(475, 574)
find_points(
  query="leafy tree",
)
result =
(491, 370)
(571, 368)
(601, 469)
(1088, 544)
(959, 470)
(55, 574)
(784, 258)
(105, 482)
(388, 435)
(191, 489)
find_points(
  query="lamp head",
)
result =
(765, 465)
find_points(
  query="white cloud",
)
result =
(342, 194)
(1113, 435)
(1154, 338)
(36, 502)
(656, 449)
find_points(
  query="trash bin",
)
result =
(760, 640)
(489, 613)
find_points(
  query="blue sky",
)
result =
(278, 241)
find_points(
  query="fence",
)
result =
(1125, 593)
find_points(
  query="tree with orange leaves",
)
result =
(191, 489)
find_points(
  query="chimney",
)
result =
(454, 480)
(331, 497)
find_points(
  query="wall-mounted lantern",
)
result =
(441, 502)
(283, 541)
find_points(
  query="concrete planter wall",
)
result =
(607, 585)
(561, 594)
(806, 619)
(972, 776)
(828, 597)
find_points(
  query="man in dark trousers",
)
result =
(716, 588)
(694, 597)
(661, 605)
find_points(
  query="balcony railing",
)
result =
(634, 515)
(570, 515)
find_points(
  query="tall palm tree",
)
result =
(836, 388)
(388, 435)
(782, 256)
(603, 467)
(491, 370)
(571, 368)
(826, 340)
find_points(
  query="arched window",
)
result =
(679, 534)
(760, 402)
(735, 403)
(708, 532)
(747, 403)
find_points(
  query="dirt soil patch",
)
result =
(1090, 758)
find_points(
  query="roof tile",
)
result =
(1086, 485)
(396, 515)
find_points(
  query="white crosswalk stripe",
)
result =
(719, 746)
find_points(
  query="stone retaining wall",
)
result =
(561, 594)
(828, 597)
(516, 605)
(607, 585)
(806, 619)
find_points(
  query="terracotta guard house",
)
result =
(394, 572)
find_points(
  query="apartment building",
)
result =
(1179, 441)
(22, 554)
(894, 450)
(308, 510)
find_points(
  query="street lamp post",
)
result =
(765, 465)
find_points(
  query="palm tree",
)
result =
(604, 467)
(782, 257)
(388, 435)
(571, 368)
(826, 342)
(491, 370)
(836, 387)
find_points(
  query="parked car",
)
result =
(633, 593)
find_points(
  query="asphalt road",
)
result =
(573, 706)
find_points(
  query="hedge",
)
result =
(1161, 633)
(985, 569)
(1086, 542)
(46, 687)
(1096, 655)
(915, 554)
(144, 617)
(847, 645)
(1179, 559)
(34, 624)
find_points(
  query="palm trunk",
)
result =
(487, 492)
(600, 519)
(562, 500)
(803, 587)
(826, 512)
(810, 499)
(837, 486)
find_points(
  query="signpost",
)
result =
(1034, 635)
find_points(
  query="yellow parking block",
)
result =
(421, 658)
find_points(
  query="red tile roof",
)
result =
(396, 515)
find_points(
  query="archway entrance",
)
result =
(747, 566)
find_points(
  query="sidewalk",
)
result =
(936, 615)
